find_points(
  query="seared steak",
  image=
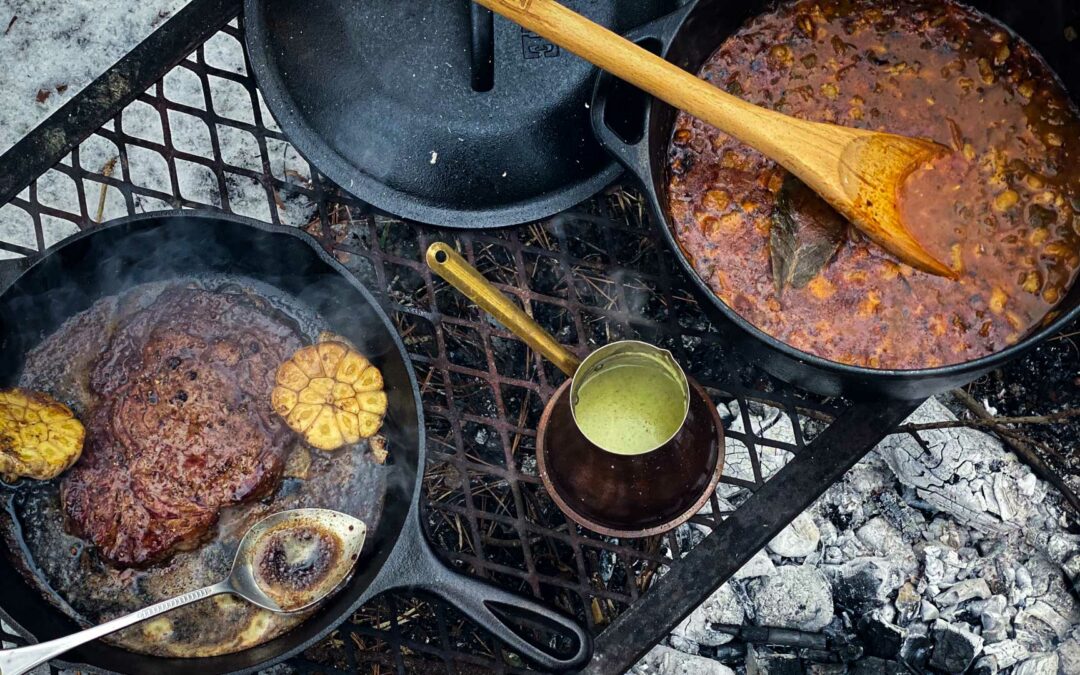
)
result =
(182, 424)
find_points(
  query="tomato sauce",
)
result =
(1000, 210)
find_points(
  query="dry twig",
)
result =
(106, 171)
(994, 422)
(1021, 446)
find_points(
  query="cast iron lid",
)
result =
(436, 111)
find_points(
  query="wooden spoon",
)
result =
(858, 172)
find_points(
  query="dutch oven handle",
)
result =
(633, 155)
(415, 566)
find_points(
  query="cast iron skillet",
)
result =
(69, 278)
(687, 37)
(367, 90)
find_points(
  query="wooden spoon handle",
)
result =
(751, 124)
(855, 170)
(448, 264)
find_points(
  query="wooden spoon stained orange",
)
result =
(858, 172)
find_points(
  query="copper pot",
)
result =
(617, 486)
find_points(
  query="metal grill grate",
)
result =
(201, 138)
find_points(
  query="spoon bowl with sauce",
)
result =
(292, 560)
(287, 562)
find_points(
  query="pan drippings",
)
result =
(73, 574)
(297, 562)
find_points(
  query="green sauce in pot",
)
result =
(630, 408)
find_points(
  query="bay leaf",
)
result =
(805, 235)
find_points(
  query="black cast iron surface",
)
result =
(434, 111)
(595, 273)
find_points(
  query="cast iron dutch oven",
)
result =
(155, 247)
(687, 37)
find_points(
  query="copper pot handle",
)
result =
(448, 264)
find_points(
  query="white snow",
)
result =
(51, 49)
(197, 184)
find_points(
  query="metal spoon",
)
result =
(344, 535)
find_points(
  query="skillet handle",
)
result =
(633, 154)
(414, 566)
(489, 606)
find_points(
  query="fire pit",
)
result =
(179, 123)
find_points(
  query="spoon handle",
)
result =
(764, 129)
(446, 262)
(858, 171)
(20, 660)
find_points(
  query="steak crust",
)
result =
(182, 424)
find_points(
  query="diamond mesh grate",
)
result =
(202, 138)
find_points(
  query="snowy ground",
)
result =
(197, 183)
(51, 49)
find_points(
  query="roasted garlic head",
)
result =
(39, 437)
(329, 393)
